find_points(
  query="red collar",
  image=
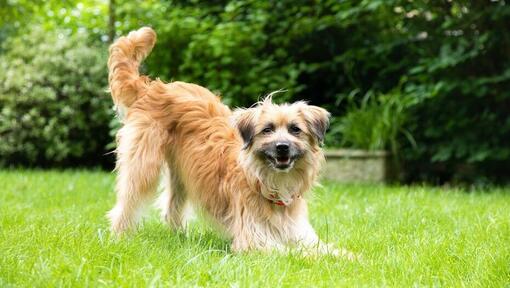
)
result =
(273, 197)
(279, 202)
(276, 201)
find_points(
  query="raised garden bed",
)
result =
(349, 165)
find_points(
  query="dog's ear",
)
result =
(317, 120)
(243, 120)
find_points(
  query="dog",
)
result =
(249, 169)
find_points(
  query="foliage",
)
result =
(54, 108)
(225, 46)
(460, 83)
(69, 16)
(326, 53)
(444, 64)
(54, 233)
(374, 124)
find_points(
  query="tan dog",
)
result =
(249, 170)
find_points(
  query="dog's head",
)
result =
(281, 137)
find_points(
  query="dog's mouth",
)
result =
(281, 162)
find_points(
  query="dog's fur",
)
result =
(222, 161)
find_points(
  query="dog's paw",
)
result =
(345, 254)
(328, 249)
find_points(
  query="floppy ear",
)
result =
(317, 120)
(243, 120)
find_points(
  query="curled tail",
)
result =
(126, 54)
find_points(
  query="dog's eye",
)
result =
(267, 130)
(294, 129)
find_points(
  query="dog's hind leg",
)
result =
(140, 154)
(173, 200)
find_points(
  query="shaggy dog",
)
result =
(250, 169)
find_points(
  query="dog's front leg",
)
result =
(253, 235)
(305, 238)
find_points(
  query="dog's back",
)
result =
(182, 124)
(128, 87)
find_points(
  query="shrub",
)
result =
(447, 60)
(234, 48)
(53, 106)
(374, 124)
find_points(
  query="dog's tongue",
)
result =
(283, 160)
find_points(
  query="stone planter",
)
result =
(349, 165)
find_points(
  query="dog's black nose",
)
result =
(282, 147)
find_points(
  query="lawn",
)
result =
(53, 232)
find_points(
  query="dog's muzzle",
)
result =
(281, 155)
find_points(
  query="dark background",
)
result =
(426, 80)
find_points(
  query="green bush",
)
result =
(460, 86)
(235, 48)
(374, 124)
(435, 71)
(53, 106)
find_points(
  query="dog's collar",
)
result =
(275, 200)
(273, 197)
(279, 202)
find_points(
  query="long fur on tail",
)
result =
(126, 54)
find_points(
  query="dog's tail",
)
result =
(126, 54)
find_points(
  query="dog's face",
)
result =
(279, 137)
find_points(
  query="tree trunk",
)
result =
(111, 21)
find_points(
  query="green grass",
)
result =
(53, 232)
